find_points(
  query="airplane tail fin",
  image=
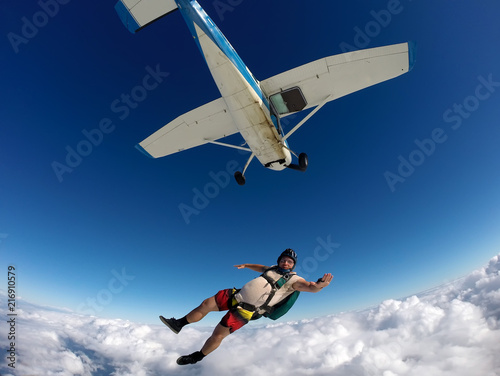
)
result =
(137, 14)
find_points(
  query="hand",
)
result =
(325, 280)
(241, 266)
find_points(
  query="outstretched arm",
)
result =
(256, 267)
(303, 285)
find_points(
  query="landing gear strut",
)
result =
(240, 176)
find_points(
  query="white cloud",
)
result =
(452, 330)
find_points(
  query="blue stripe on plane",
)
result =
(143, 151)
(194, 13)
(412, 54)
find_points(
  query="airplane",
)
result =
(251, 107)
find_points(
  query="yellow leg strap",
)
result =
(247, 315)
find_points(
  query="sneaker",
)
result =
(172, 324)
(189, 359)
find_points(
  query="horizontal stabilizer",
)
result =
(197, 127)
(136, 14)
(339, 75)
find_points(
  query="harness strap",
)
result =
(232, 300)
(245, 310)
(248, 307)
(275, 286)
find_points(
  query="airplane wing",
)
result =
(335, 76)
(137, 14)
(208, 122)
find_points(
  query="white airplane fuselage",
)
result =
(248, 105)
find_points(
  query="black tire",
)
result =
(303, 161)
(240, 179)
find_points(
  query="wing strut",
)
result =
(301, 123)
(227, 145)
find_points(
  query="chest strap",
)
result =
(275, 286)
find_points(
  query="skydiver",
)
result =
(260, 296)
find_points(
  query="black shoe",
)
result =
(190, 359)
(172, 324)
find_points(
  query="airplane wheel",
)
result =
(303, 161)
(240, 179)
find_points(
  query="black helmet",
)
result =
(290, 253)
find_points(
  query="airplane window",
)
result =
(279, 104)
(287, 101)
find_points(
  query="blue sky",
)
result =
(111, 232)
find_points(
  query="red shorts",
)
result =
(232, 320)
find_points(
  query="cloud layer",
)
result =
(451, 330)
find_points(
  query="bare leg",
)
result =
(208, 305)
(176, 325)
(220, 332)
